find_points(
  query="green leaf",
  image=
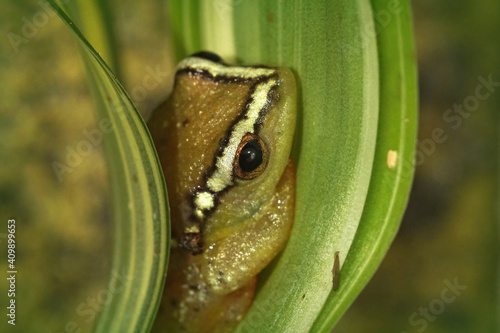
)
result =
(389, 186)
(140, 206)
(93, 19)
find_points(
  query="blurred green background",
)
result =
(449, 233)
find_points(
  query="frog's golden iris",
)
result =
(251, 157)
(224, 138)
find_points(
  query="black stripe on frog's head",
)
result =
(208, 56)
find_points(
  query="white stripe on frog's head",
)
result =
(223, 71)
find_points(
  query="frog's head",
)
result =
(229, 131)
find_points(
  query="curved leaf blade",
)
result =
(93, 19)
(140, 205)
(390, 183)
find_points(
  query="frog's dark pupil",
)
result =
(250, 156)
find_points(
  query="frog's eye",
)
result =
(251, 157)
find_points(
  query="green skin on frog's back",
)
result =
(223, 138)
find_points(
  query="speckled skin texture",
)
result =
(252, 219)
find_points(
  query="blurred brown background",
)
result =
(449, 234)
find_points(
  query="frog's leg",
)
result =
(233, 261)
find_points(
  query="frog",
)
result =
(224, 138)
